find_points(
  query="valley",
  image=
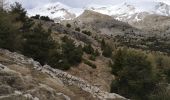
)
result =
(57, 51)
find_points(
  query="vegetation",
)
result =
(7, 32)
(87, 32)
(71, 52)
(90, 64)
(45, 18)
(68, 25)
(139, 75)
(36, 17)
(88, 49)
(107, 50)
(37, 44)
(77, 29)
(134, 75)
(21, 34)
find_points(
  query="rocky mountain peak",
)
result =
(126, 11)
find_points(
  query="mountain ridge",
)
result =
(126, 11)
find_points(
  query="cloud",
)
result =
(28, 4)
(73, 3)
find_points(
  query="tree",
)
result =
(134, 77)
(7, 32)
(45, 18)
(103, 44)
(72, 53)
(37, 44)
(19, 11)
(3, 4)
(36, 17)
(107, 51)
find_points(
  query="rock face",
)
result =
(23, 78)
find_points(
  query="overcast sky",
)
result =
(75, 3)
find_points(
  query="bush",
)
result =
(96, 53)
(161, 93)
(45, 18)
(87, 32)
(90, 64)
(103, 44)
(72, 53)
(68, 25)
(92, 57)
(107, 51)
(77, 29)
(88, 49)
(36, 17)
(56, 60)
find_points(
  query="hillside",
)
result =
(23, 78)
(91, 57)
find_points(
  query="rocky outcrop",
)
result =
(58, 75)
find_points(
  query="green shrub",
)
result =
(46, 18)
(90, 64)
(72, 53)
(68, 25)
(87, 32)
(77, 29)
(96, 53)
(36, 17)
(103, 44)
(88, 49)
(92, 57)
(107, 51)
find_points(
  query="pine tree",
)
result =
(19, 11)
(134, 77)
(37, 44)
(72, 53)
(7, 31)
(103, 44)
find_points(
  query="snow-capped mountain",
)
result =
(130, 12)
(56, 11)
(126, 11)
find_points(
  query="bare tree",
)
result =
(3, 4)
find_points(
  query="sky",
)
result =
(29, 4)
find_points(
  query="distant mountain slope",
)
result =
(99, 23)
(159, 25)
